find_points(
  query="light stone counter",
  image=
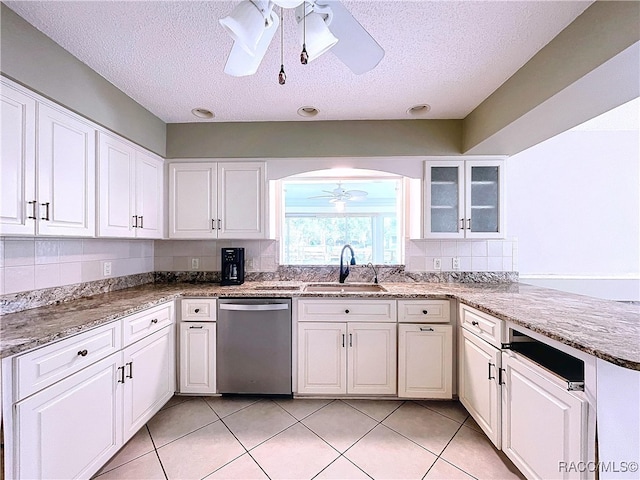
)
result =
(606, 329)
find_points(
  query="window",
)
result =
(322, 214)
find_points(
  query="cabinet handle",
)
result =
(196, 310)
(462, 224)
(474, 323)
(130, 369)
(33, 209)
(213, 224)
(468, 224)
(351, 339)
(155, 320)
(491, 365)
(501, 372)
(141, 221)
(425, 312)
(426, 329)
(343, 340)
(83, 353)
(346, 311)
(135, 221)
(196, 326)
(219, 224)
(121, 380)
(46, 211)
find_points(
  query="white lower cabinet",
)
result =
(425, 361)
(69, 430)
(71, 425)
(543, 425)
(347, 358)
(198, 357)
(478, 385)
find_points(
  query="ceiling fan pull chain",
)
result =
(282, 77)
(304, 56)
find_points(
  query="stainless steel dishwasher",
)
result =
(253, 346)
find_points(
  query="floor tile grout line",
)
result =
(439, 413)
(402, 402)
(335, 460)
(445, 448)
(232, 413)
(186, 434)
(454, 466)
(156, 452)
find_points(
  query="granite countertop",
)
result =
(606, 329)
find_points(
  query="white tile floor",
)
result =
(255, 438)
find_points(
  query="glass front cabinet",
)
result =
(464, 199)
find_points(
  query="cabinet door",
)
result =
(116, 186)
(425, 361)
(17, 163)
(478, 387)
(444, 200)
(66, 174)
(543, 424)
(149, 195)
(149, 367)
(198, 357)
(241, 200)
(322, 358)
(192, 200)
(484, 199)
(71, 429)
(371, 358)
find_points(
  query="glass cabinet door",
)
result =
(444, 199)
(483, 198)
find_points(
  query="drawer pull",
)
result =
(196, 326)
(425, 312)
(346, 311)
(475, 323)
(426, 329)
(83, 353)
(155, 320)
(197, 310)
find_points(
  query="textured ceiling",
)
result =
(169, 56)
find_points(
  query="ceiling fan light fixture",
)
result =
(202, 113)
(308, 111)
(315, 35)
(418, 110)
(248, 23)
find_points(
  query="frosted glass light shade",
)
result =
(246, 25)
(319, 38)
(240, 63)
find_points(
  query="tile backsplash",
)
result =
(37, 263)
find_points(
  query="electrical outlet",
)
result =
(106, 269)
(250, 264)
(455, 263)
(195, 263)
(437, 264)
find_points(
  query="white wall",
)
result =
(574, 205)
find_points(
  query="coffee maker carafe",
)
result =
(232, 266)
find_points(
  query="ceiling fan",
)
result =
(323, 25)
(341, 195)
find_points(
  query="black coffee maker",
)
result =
(232, 266)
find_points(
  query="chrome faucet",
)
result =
(375, 272)
(344, 269)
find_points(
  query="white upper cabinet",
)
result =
(60, 146)
(17, 162)
(217, 200)
(130, 190)
(464, 199)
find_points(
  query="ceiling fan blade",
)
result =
(357, 193)
(240, 63)
(355, 48)
(322, 196)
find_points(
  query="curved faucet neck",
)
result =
(344, 270)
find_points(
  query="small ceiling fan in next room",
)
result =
(339, 196)
(323, 25)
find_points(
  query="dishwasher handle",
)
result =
(253, 307)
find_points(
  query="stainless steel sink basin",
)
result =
(344, 288)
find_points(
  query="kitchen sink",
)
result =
(344, 288)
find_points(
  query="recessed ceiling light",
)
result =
(308, 111)
(418, 110)
(202, 113)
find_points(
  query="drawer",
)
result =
(45, 366)
(334, 310)
(137, 326)
(424, 311)
(198, 309)
(482, 324)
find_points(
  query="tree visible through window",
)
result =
(323, 215)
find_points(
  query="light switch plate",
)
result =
(106, 269)
(195, 263)
(437, 264)
(455, 263)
